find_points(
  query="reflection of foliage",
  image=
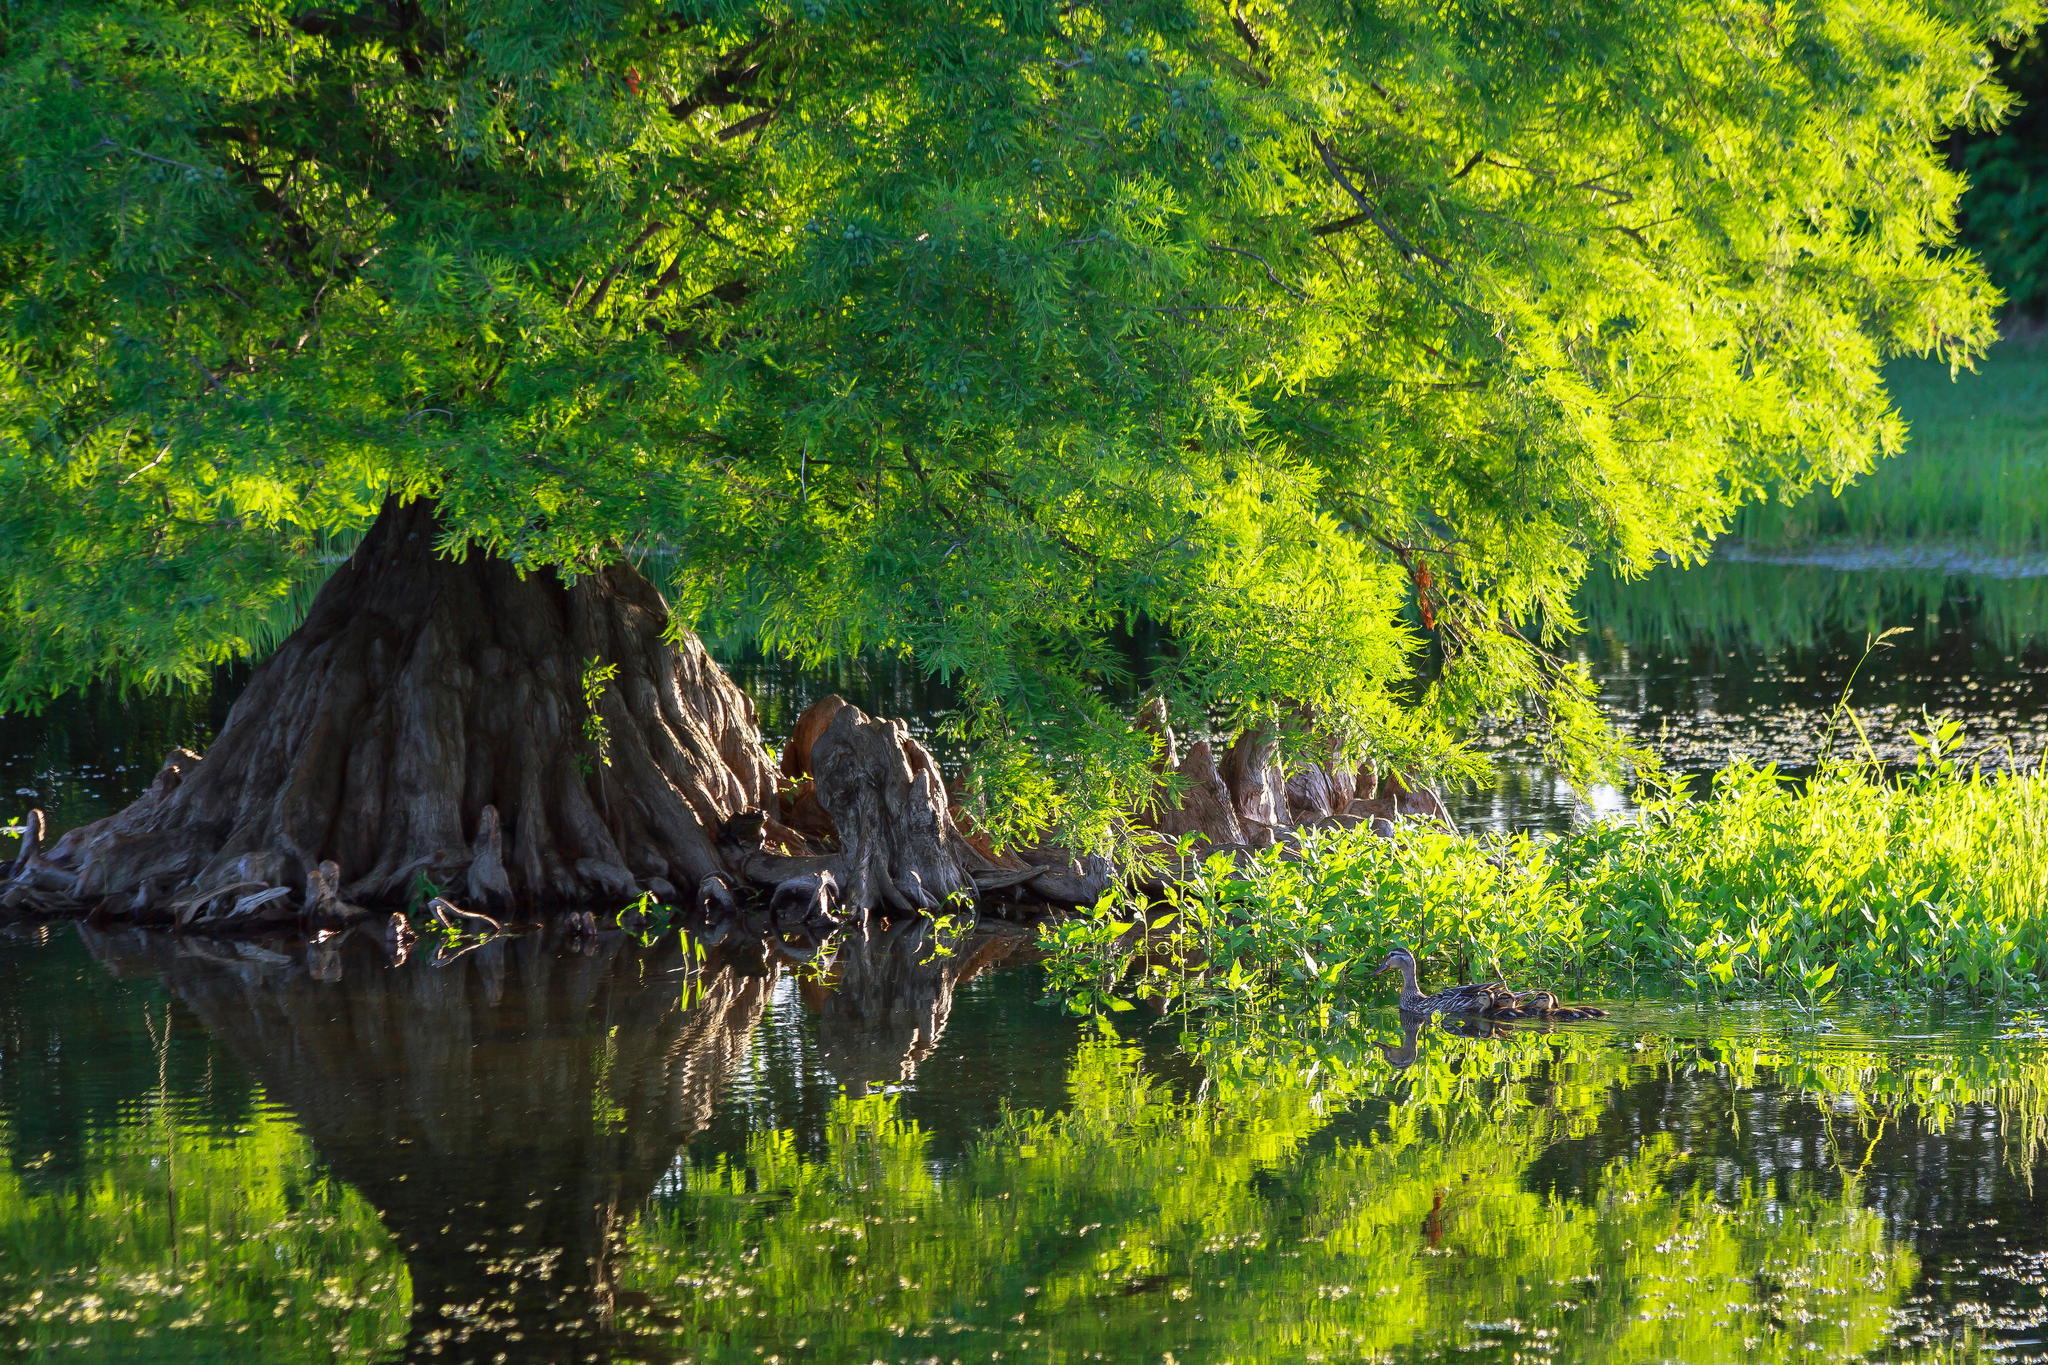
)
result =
(1760, 609)
(180, 1241)
(1934, 880)
(1318, 1196)
(1133, 1216)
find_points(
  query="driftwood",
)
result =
(442, 729)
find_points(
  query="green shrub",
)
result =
(1852, 881)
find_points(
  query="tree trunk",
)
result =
(444, 726)
(430, 725)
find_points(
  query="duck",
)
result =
(1545, 1005)
(1485, 998)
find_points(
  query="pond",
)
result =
(552, 1150)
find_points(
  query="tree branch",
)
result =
(1368, 212)
(1265, 265)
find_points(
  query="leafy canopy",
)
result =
(1336, 340)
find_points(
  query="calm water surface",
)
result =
(545, 1151)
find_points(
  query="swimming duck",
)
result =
(1545, 1005)
(1487, 998)
(1490, 999)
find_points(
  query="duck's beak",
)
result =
(1385, 967)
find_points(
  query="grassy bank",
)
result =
(1854, 882)
(1975, 468)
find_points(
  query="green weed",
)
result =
(1854, 881)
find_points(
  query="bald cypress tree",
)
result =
(1335, 340)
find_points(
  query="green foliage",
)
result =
(422, 890)
(1855, 883)
(2004, 212)
(973, 332)
(1849, 882)
(1975, 471)
(597, 676)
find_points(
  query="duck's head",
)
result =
(1396, 959)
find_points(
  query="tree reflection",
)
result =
(508, 1112)
(528, 1122)
(505, 1114)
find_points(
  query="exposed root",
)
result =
(444, 731)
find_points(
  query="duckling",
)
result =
(1545, 1005)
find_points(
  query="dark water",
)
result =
(1753, 662)
(550, 1152)
(546, 1151)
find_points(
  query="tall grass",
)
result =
(1975, 468)
(1854, 881)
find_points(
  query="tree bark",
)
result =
(439, 724)
(442, 725)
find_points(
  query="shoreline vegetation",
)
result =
(1853, 883)
(1973, 473)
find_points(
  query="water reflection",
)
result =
(503, 1115)
(508, 1113)
(549, 1151)
(1741, 661)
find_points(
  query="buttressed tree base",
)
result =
(442, 725)
(446, 725)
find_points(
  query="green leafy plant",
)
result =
(597, 676)
(1934, 880)
(422, 890)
